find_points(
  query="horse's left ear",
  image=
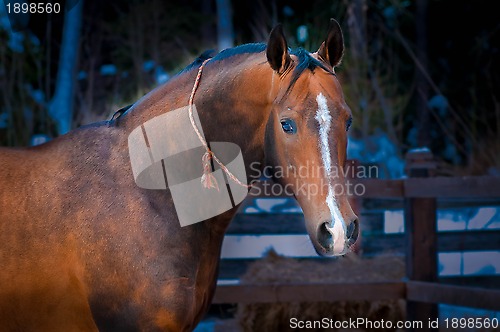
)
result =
(277, 50)
(332, 49)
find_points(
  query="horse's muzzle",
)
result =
(334, 240)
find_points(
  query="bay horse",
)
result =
(83, 248)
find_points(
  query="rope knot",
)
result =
(208, 179)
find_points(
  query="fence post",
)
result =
(421, 236)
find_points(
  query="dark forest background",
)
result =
(415, 73)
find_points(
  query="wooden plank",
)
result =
(472, 240)
(447, 241)
(267, 223)
(376, 243)
(469, 240)
(395, 244)
(373, 245)
(470, 187)
(289, 223)
(440, 187)
(418, 291)
(379, 205)
(391, 244)
(473, 297)
(308, 292)
(379, 188)
(464, 202)
(490, 281)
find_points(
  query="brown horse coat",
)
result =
(82, 247)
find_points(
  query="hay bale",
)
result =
(277, 269)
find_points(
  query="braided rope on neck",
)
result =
(208, 180)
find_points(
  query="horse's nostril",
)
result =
(325, 238)
(352, 232)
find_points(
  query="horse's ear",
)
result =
(332, 49)
(277, 50)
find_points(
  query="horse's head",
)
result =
(306, 137)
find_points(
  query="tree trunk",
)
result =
(61, 106)
(225, 33)
(207, 27)
(422, 85)
(358, 73)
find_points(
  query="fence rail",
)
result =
(427, 292)
(436, 187)
(421, 243)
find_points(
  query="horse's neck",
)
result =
(233, 101)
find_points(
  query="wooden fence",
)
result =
(420, 242)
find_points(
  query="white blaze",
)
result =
(337, 226)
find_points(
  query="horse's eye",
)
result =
(348, 124)
(288, 126)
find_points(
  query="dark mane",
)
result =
(305, 60)
(224, 54)
(198, 61)
(242, 49)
